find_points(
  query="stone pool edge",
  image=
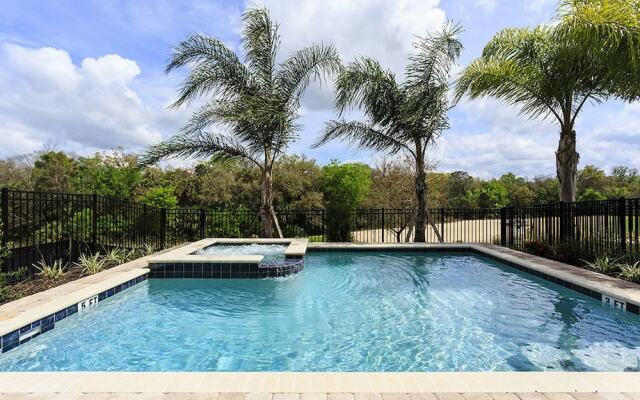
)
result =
(587, 282)
(317, 382)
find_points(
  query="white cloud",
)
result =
(381, 29)
(486, 5)
(489, 138)
(47, 98)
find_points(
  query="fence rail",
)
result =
(47, 226)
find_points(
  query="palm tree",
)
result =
(254, 105)
(590, 54)
(401, 117)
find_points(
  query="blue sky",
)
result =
(87, 75)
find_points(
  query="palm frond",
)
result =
(296, 72)
(365, 84)
(216, 69)
(362, 135)
(261, 41)
(436, 54)
(608, 33)
(200, 145)
(220, 112)
(508, 81)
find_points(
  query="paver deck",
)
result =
(323, 396)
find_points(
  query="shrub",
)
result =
(630, 272)
(53, 271)
(9, 278)
(147, 249)
(538, 248)
(571, 252)
(294, 231)
(91, 264)
(8, 294)
(116, 257)
(603, 264)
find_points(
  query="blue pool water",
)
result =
(345, 312)
(269, 251)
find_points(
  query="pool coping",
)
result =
(31, 308)
(296, 249)
(318, 382)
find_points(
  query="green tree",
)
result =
(345, 186)
(401, 117)
(492, 194)
(162, 197)
(53, 171)
(256, 102)
(113, 175)
(518, 191)
(590, 54)
(16, 172)
(457, 185)
(591, 194)
(591, 178)
(298, 180)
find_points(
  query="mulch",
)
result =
(37, 284)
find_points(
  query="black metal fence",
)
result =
(48, 226)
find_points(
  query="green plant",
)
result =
(588, 55)
(9, 278)
(603, 264)
(91, 264)
(630, 272)
(538, 248)
(571, 252)
(7, 294)
(53, 271)
(147, 249)
(116, 257)
(133, 254)
(254, 102)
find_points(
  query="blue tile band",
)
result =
(13, 339)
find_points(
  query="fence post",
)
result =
(564, 230)
(203, 223)
(622, 218)
(94, 222)
(163, 227)
(144, 224)
(324, 227)
(382, 224)
(442, 214)
(5, 216)
(511, 213)
(503, 226)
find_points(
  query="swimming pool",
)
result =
(353, 311)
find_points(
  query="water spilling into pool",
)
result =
(345, 312)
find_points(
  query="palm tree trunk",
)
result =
(567, 164)
(421, 202)
(275, 222)
(266, 203)
(422, 214)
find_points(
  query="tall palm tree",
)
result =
(401, 117)
(590, 54)
(254, 105)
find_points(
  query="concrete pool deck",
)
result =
(338, 386)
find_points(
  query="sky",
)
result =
(88, 75)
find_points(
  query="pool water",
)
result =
(345, 312)
(269, 251)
